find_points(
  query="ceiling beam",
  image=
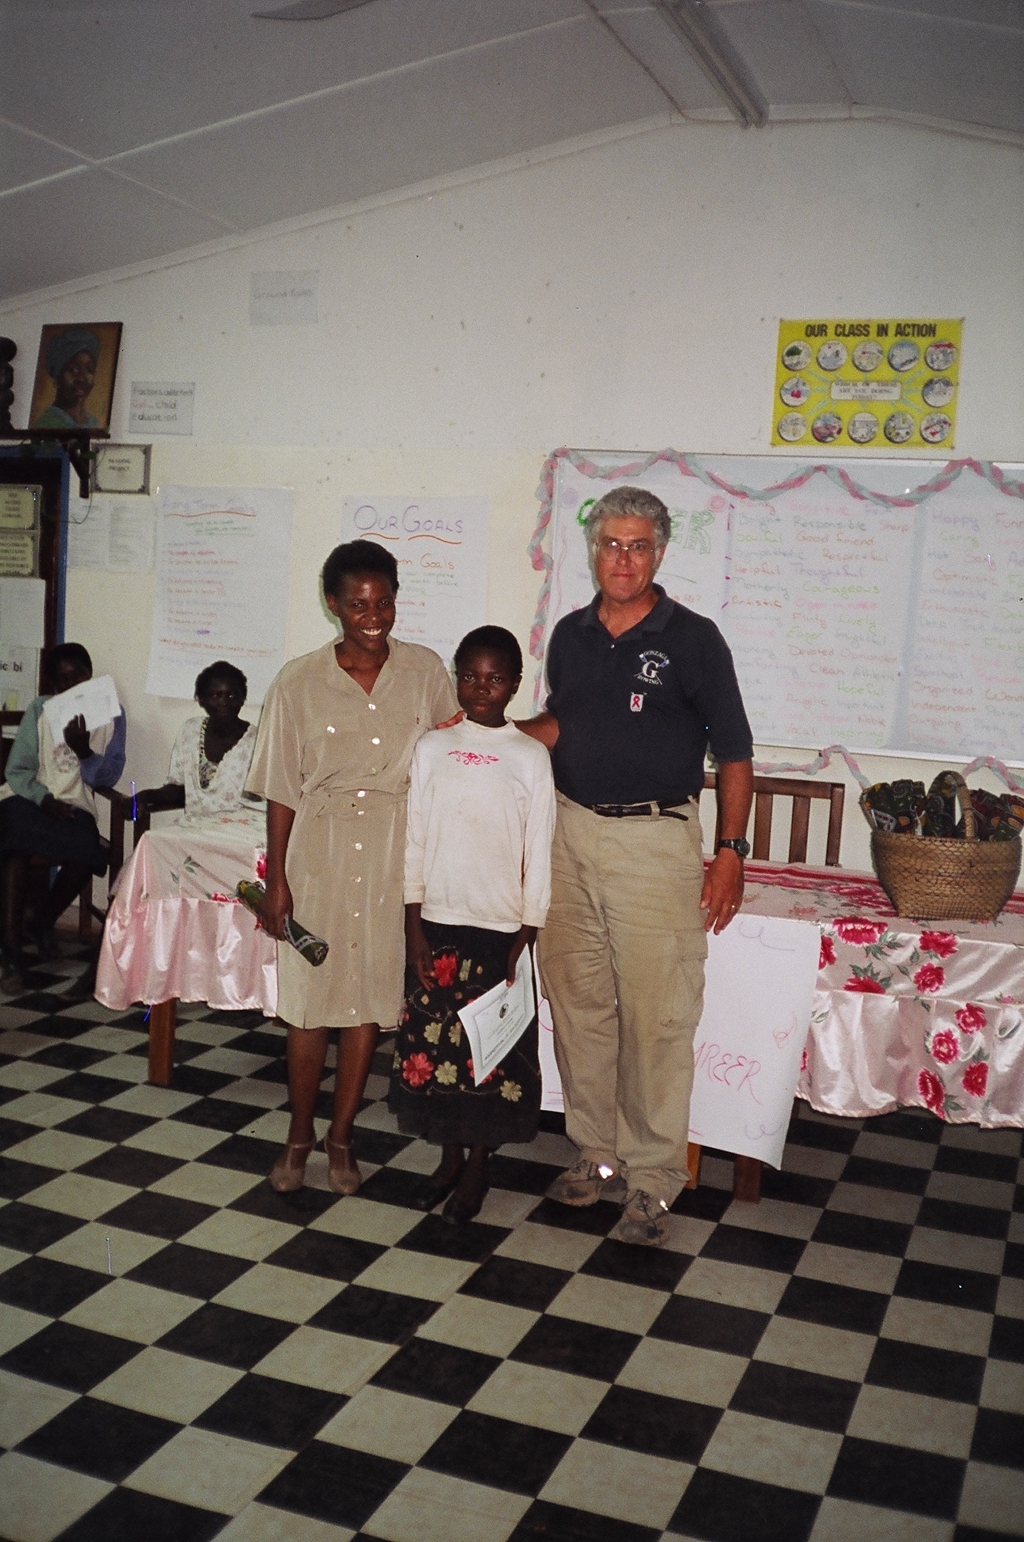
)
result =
(693, 22)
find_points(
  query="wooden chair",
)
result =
(746, 1183)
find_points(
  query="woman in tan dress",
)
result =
(332, 759)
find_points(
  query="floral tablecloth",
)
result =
(906, 1012)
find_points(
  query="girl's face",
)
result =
(222, 701)
(365, 606)
(485, 686)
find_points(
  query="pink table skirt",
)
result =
(174, 931)
(906, 1012)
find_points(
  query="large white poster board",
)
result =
(440, 545)
(881, 627)
(223, 554)
(758, 994)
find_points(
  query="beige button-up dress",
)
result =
(340, 759)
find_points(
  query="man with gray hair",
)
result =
(640, 687)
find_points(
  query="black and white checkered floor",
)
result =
(186, 1354)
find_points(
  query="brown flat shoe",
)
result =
(289, 1170)
(343, 1175)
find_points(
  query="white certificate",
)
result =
(495, 1020)
(95, 700)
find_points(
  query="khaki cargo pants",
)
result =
(622, 964)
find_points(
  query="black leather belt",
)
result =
(668, 810)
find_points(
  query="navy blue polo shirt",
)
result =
(637, 713)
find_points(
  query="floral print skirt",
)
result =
(432, 1089)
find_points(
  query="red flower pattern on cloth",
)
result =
(976, 1078)
(469, 1067)
(930, 1088)
(261, 865)
(865, 984)
(942, 943)
(827, 951)
(945, 1046)
(858, 931)
(446, 967)
(417, 1070)
(803, 1061)
(970, 1018)
(930, 977)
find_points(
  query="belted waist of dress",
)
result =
(343, 800)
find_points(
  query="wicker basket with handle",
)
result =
(934, 878)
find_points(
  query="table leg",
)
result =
(746, 1179)
(693, 1152)
(161, 1041)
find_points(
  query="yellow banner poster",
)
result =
(867, 384)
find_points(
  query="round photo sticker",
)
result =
(827, 427)
(899, 427)
(795, 391)
(868, 355)
(797, 356)
(936, 427)
(938, 392)
(903, 356)
(940, 355)
(832, 355)
(792, 427)
(862, 427)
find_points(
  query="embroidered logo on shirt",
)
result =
(636, 702)
(471, 758)
(650, 663)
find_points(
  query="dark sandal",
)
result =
(289, 1171)
(343, 1175)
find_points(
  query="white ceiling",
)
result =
(130, 129)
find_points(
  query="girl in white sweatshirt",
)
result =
(477, 887)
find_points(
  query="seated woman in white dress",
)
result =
(175, 928)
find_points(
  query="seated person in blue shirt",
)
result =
(47, 810)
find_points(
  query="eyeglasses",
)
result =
(609, 547)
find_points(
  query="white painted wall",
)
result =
(623, 295)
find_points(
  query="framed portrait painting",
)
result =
(74, 384)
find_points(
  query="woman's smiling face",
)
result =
(365, 606)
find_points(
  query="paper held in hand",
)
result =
(495, 1020)
(95, 700)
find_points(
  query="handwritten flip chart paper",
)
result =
(965, 683)
(758, 995)
(222, 553)
(22, 611)
(440, 545)
(884, 628)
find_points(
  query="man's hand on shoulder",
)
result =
(451, 722)
(722, 893)
(543, 728)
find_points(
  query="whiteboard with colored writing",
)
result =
(879, 604)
